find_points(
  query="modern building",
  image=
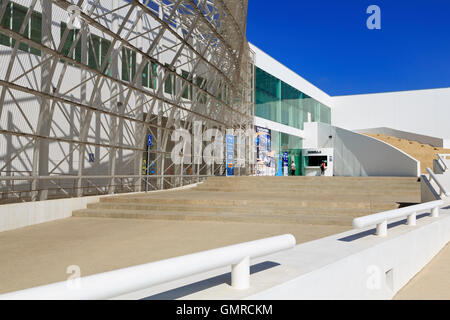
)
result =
(91, 93)
(284, 101)
(307, 126)
(112, 96)
(91, 96)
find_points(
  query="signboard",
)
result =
(230, 154)
(285, 163)
(264, 154)
(149, 140)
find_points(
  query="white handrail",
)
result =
(442, 189)
(118, 282)
(442, 156)
(380, 219)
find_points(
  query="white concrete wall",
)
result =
(350, 265)
(364, 273)
(275, 68)
(18, 215)
(359, 155)
(425, 112)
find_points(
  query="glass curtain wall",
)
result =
(277, 101)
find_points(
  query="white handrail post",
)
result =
(382, 229)
(412, 219)
(435, 212)
(240, 274)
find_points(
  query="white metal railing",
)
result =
(442, 157)
(442, 190)
(118, 282)
(381, 219)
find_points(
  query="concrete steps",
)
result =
(303, 200)
(208, 216)
(364, 208)
(287, 202)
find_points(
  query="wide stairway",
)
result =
(282, 200)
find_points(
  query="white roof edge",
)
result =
(389, 92)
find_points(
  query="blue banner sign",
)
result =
(230, 154)
(285, 163)
(149, 140)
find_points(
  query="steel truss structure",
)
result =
(84, 82)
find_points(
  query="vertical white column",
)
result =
(115, 107)
(140, 129)
(435, 212)
(412, 219)
(382, 229)
(240, 274)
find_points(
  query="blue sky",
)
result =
(327, 42)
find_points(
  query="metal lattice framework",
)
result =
(77, 104)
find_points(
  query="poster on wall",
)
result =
(265, 164)
(285, 163)
(230, 155)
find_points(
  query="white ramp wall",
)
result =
(421, 111)
(359, 155)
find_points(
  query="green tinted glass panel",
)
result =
(77, 56)
(169, 84)
(6, 22)
(153, 76)
(277, 101)
(146, 76)
(128, 64)
(105, 44)
(36, 31)
(267, 96)
(69, 39)
(125, 64)
(94, 52)
(18, 18)
(187, 92)
(201, 82)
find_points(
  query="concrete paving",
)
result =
(432, 283)
(40, 254)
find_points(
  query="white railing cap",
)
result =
(118, 282)
(438, 182)
(377, 218)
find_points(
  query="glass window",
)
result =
(6, 22)
(277, 101)
(18, 17)
(128, 64)
(94, 52)
(169, 84)
(149, 75)
(105, 44)
(201, 82)
(187, 92)
(13, 19)
(36, 31)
